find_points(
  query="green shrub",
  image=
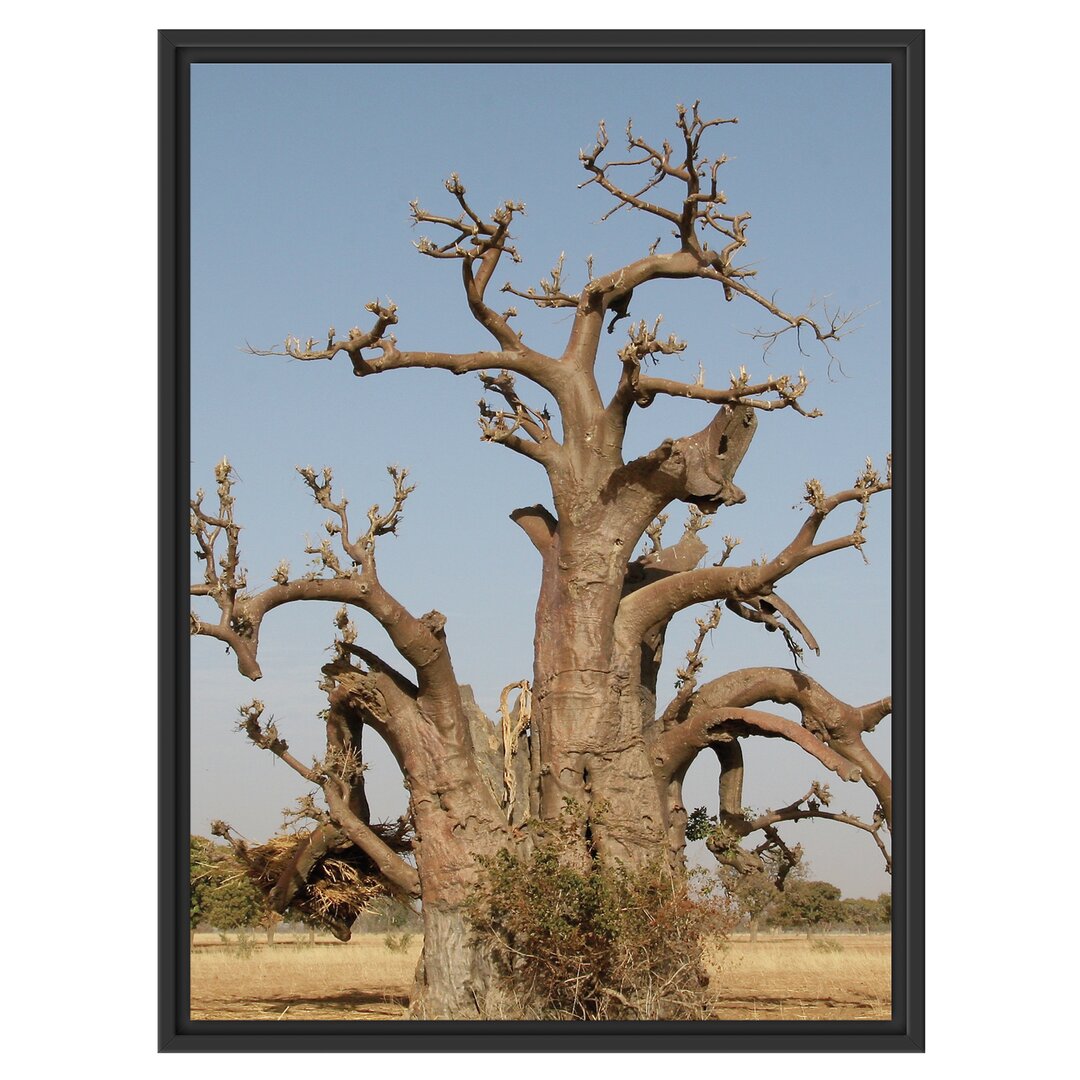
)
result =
(602, 943)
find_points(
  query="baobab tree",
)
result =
(587, 737)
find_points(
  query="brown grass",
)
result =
(361, 980)
(776, 978)
(785, 977)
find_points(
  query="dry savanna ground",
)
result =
(841, 977)
(787, 977)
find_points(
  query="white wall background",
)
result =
(78, 441)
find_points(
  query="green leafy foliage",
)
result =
(858, 913)
(222, 894)
(809, 904)
(699, 824)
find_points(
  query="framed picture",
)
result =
(541, 474)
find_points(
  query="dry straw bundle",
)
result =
(334, 890)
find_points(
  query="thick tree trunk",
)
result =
(457, 820)
(587, 757)
(454, 977)
(587, 701)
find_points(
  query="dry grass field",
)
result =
(775, 978)
(789, 978)
(361, 980)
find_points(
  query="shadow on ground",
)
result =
(351, 1005)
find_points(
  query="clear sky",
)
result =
(301, 180)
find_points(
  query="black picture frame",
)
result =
(903, 50)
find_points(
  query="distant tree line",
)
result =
(800, 904)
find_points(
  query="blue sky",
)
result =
(301, 180)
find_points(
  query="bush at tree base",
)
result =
(599, 943)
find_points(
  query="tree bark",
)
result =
(454, 977)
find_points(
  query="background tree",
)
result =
(755, 895)
(587, 731)
(754, 880)
(861, 914)
(885, 907)
(222, 893)
(199, 869)
(811, 905)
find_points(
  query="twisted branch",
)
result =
(334, 784)
(736, 826)
(500, 426)
(752, 584)
(419, 640)
(718, 711)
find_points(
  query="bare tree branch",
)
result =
(551, 294)
(680, 744)
(334, 787)
(770, 611)
(747, 584)
(837, 325)
(686, 676)
(699, 216)
(418, 640)
(538, 524)
(741, 392)
(361, 550)
(500, 426)
(829, 722)
(479, 244)
(735, 824)
(809, 807)
(514, 356)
